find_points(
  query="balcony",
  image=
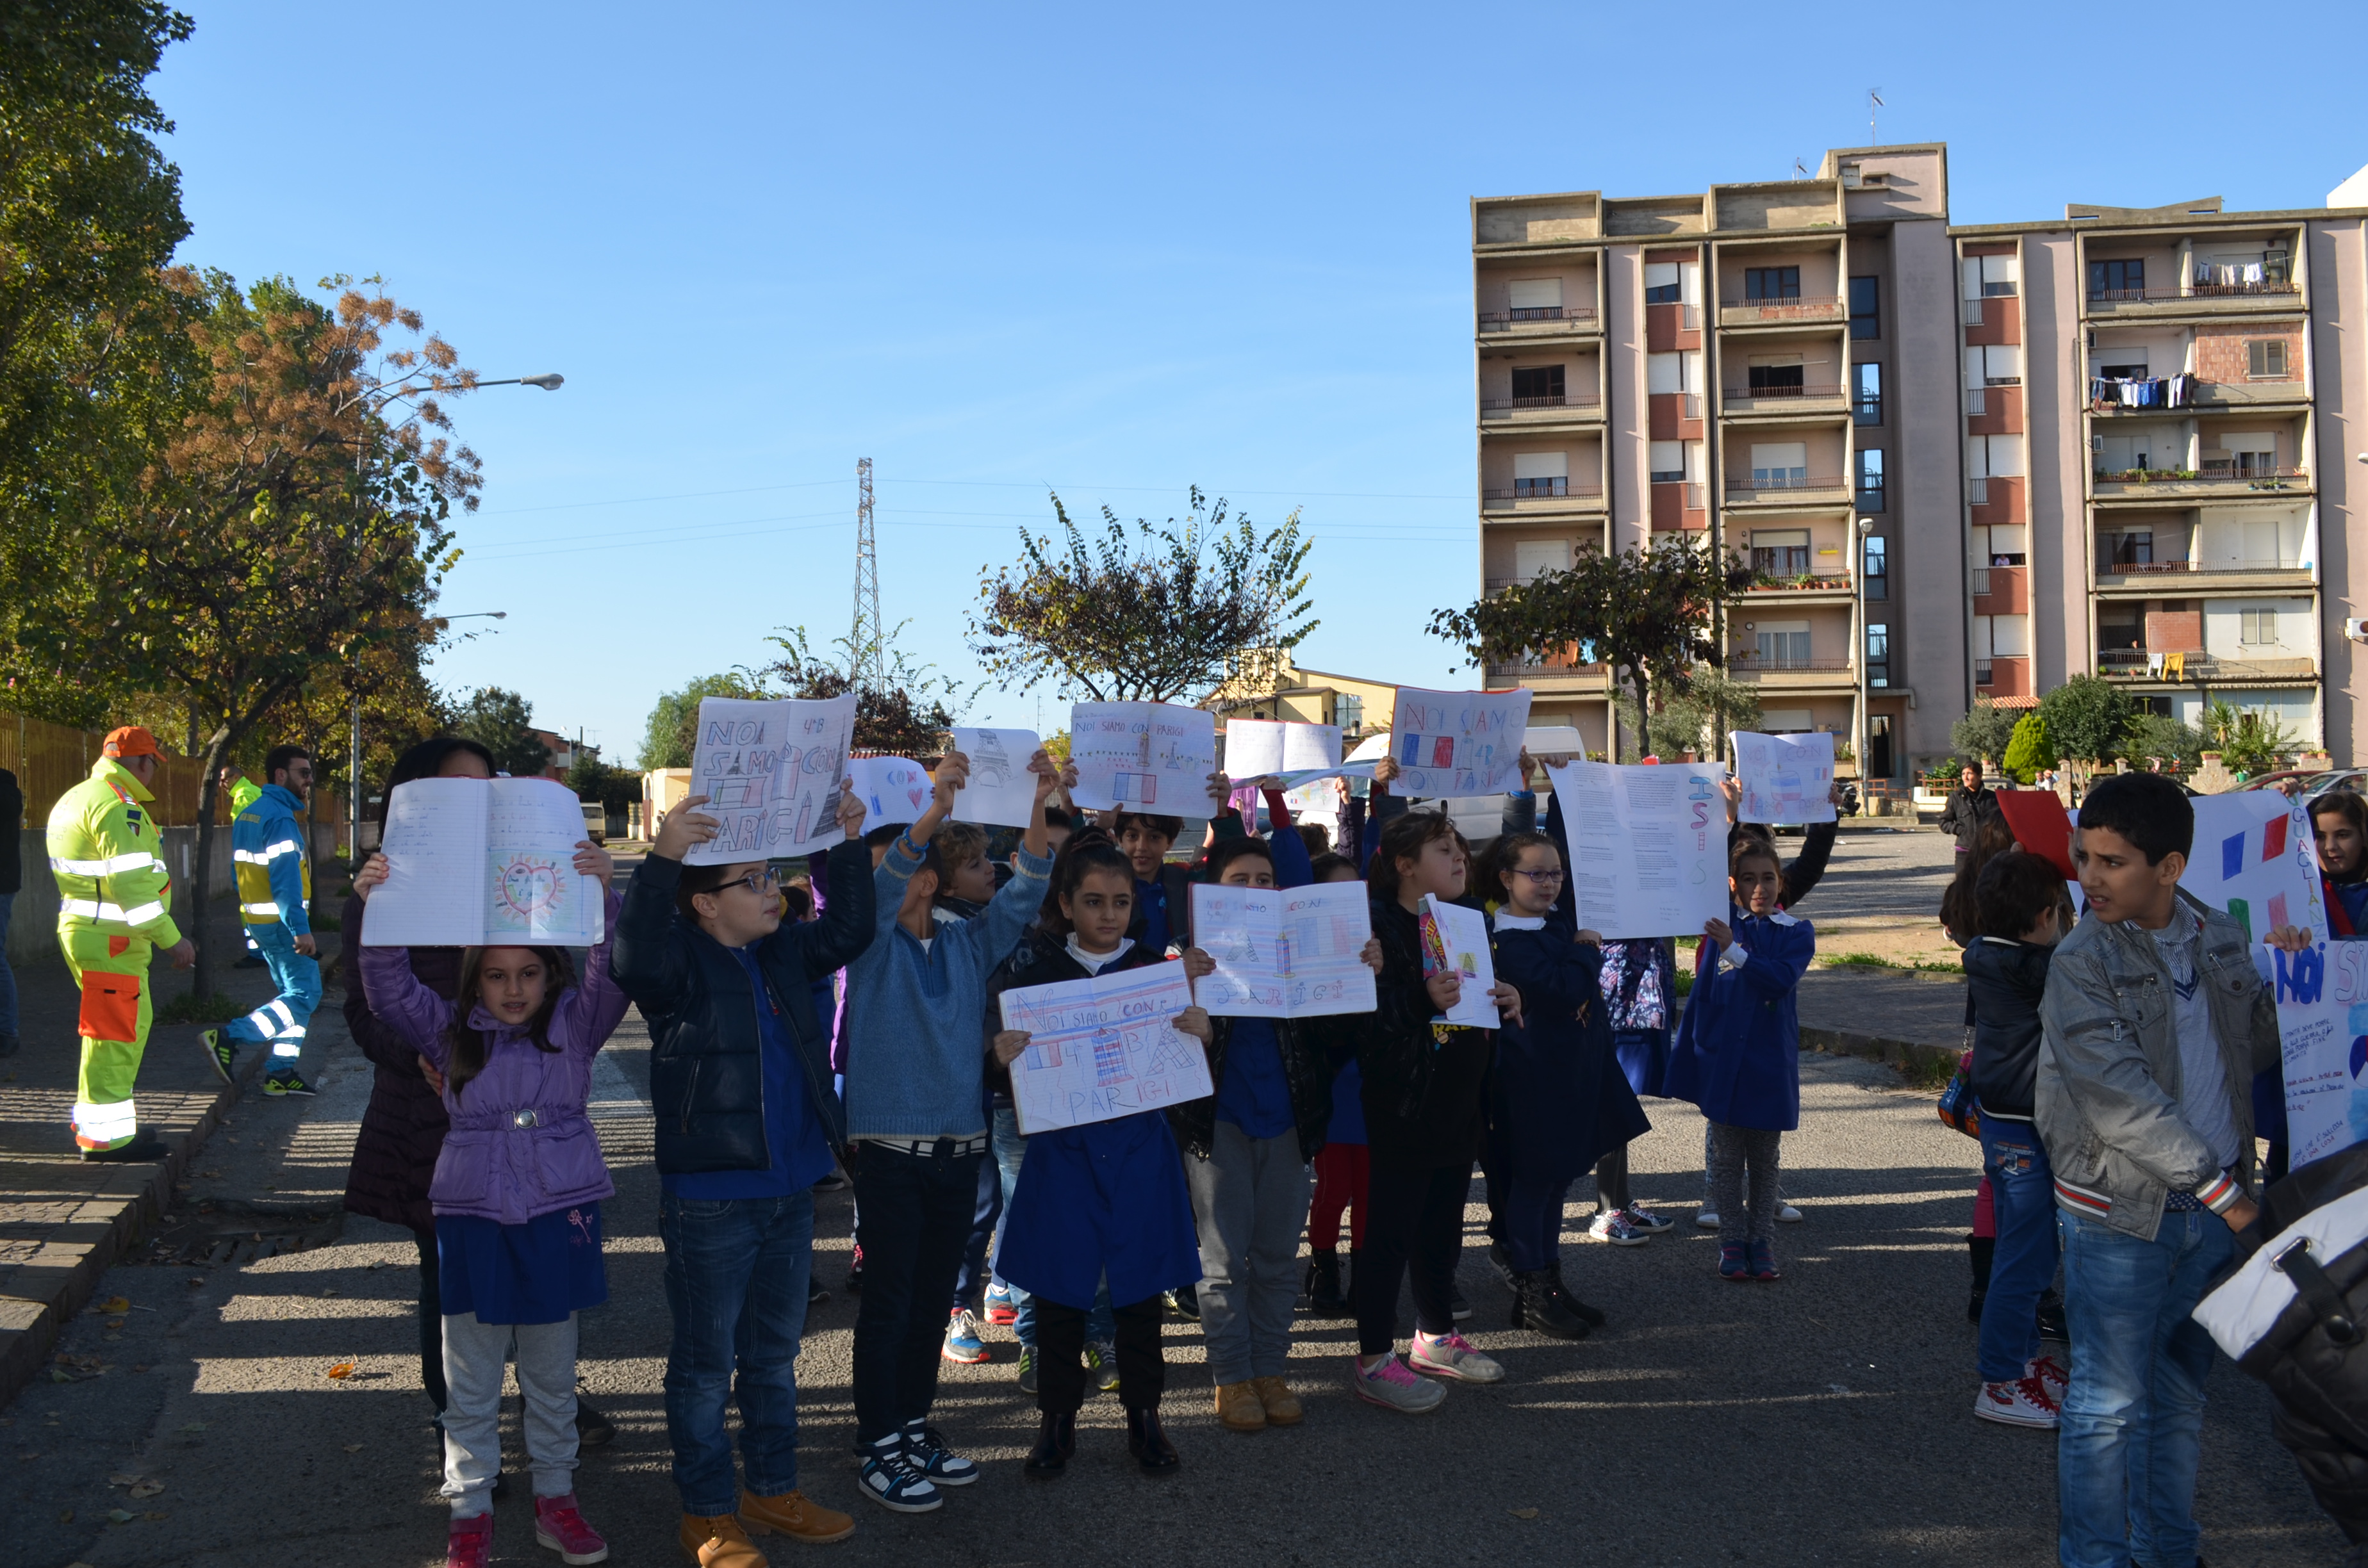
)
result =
(1781, 674)
(1789, 312)
(1812, 398)
(1558, 667)
(2216, 479)
(1805, 589)
(2001, 590)
(2179, 578)
(1518, 411)
(2201, 396)
(2279, 294)
(2003, 675)
(2139, 665)
(1539, 321)
(1542, 495)
(1994, 411)
(1998, 319)
(1822, 489)
(1679, 505)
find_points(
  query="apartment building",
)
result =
(1960, 461)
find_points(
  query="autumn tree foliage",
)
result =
(1156, 613)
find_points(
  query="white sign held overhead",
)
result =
(1103, 1047)
(893, 789)
(1457, 743)
(477, 860)
(1283, 952)
(1648, 845)
(1787, 779)
(1143, 756)
(771, 772)
(1257, 747)
(1001, 792)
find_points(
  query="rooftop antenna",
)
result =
(867, 655)
(1800, 169)
(1873, 102)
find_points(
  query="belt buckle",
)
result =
(524, 1118)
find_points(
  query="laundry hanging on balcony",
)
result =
(2167, 666)
(2144, 391)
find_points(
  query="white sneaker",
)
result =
(1452, 1356)
(1787, 1215)
(1612, 1226)
(2023, 1401)
(1707, 1219)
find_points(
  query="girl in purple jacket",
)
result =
(516, 1196)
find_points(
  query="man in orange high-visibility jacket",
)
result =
(114, 895)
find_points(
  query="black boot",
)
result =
(593, 1429)
(2051, 1317)
(1979, 1250)
(1148, 1444)
(1536, 1307)
(1056, 1444)
(1591, 1316)
(1325, 1298)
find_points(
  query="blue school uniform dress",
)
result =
(1104, 1198)
(1560, 1101)
(1737, 1053)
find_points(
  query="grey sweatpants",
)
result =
(1731, 1149)
(1249, 1201)
(474, 1356)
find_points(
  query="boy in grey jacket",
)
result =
(2153, 1022)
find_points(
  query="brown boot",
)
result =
(1238, 1409)
(717, 1542)
(1282, 1404)
(795, 1515)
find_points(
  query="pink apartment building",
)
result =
(1964, 460)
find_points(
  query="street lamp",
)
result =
(354, 756)
(1858, 659)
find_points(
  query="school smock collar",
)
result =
(1777, 918)
(1094, 963)
(1521, 922)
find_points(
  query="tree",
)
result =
(1647, 612)
(594, 780)
(2086, 718)
(1698, 719)
(2249, 740)
(673, 729)
(1154, 618)
(1984, 731)
(281, 519)
(906, 716)
(2152, 735)
(2029, 749)
(502, 721)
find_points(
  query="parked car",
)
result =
(596, 822)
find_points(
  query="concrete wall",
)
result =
(33, 922)
(1925, 522)
(1627, 482)
(2338, 259)
(2056, 453)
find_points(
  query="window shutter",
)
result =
(1536, 293)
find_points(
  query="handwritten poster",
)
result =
(1143, 756)
(771, 772)
(1786, 779)
(1454, 743)
(2255, 857)
(1256, 747)
(2322, 997)
(1283, 952)
(1455, 939)
(1001, 792)
(893, 789)
(477, 860)
(1103, 1047)
(1648, 845)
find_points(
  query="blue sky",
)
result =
(1080, 247)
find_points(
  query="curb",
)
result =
(25, 1348)
(1914, 1060)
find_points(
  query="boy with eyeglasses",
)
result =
(740, 1061)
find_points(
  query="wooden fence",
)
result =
(50, 759)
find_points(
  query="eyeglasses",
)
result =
(754, 881)
(1553, 876)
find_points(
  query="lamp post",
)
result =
(354, 755)
(1857, 661)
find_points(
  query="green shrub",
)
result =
(2030, 750)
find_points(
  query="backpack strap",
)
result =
(2317, 1291)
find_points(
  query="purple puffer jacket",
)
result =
(521, 1144)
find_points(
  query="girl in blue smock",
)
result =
(1738, 1054)
(1106, 1198)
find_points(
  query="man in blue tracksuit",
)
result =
(274, 891)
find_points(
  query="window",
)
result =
(1666, 373)
(2132, 547)
(1989, 457)
(1536, 299)
(2257, 626)
(1537, 386)
(2123, 454)
(1782, 645)
(2265, 360)
(1541, 473)
(1878, 654)
(1781, 552)
(1660, 282)
(1876, 557)
(1866, 394)
(1989, 276)
(1532, 557)
(2128, 370)
(2251, 452)
(2003, 544)
(1866, 307)
(1668, 462)
(1777, 380)
(2117, 280)
(1994, 365)
(1869, 478)
(1776, 465)
(1348, 710)
(1770, 283)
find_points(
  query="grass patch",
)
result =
(192, 1008)
(1873, 961)
(1683, 981)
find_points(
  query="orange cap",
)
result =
(129, 741)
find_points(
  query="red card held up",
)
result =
(2041, 825)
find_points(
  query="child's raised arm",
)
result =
(414, 1012)
(590, 1013)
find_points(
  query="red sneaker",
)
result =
(558, 1526)
(471, 1542)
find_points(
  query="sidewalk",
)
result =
(1910, 1019)
(64, 1222)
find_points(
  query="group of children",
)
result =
(758, 1092)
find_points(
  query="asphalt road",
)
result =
(1823, 1419)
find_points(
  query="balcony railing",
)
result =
(2108, 567)
(1745, 397)
(1747, 664)
(2200, 292)
(2139, 664)
(1774, 486)
(1985, 673)
(1780, 582)
(1518, 669)
(2212, 473)
(1800, 307)
(1535, 316)
(1541, 489)
(1501, 407)
(1981, 582)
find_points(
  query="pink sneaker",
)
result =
(1452, 1356)
(1389, 1385)
(471, 1542)
(558, 1526)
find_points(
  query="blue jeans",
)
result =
(1101, 1325)
(972, 1279)
(2126, 1449)
(737, 1272)
(2023, 1194)
(281, 1021)
(8, 975)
